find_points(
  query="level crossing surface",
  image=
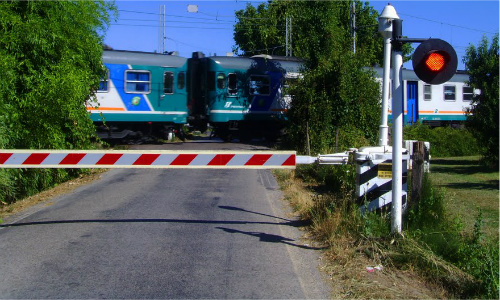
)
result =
(154, 233)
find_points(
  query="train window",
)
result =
(259, 85)
(168, 83)
(181, 80)
(232, 84)
(103, 83)
(137, 82)
(427, 92)
(449, 93)
(221, 81)
(467, 93)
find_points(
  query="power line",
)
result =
(189, 45)
(187, 27)
(156, 26)
(174, 21)
(449, 24)
(214, 18)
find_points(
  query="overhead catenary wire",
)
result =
(210, 21)
(187, 27)
(448, 24)
(215, 18)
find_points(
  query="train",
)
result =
(434, 105)
(150, 94)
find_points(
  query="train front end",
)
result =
(246, 97)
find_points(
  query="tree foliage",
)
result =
(261, 29)
(52, 52)
(50, 57)
(336, 103)
(482, 64)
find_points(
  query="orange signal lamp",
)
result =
(435, 62)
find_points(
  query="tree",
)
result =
(53, 54)
(50, 61)
(336, 103)
(482, 65)
(261, 29)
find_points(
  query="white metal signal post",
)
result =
(434, 62)
(397, 128)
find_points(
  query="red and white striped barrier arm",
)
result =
(147, 159)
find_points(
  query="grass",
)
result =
(470, 187)
(353, 241)
(449, 245)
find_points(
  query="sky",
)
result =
(210, 30)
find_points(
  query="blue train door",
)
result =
(411, 102)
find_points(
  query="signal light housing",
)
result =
(435, 61)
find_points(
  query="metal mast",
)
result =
(288, 25)
(161, 30)
(353, 25)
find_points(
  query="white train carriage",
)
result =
(434, 105)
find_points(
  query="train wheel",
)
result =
(180, 133)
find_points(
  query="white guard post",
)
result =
(374, 178)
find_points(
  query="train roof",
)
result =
(142, 58)
(258, 62)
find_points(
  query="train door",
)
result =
(173, 90)
(166, 88)
(411, 102)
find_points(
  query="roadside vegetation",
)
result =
(449, 243)
(50, 57)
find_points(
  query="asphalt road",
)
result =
(162, 234)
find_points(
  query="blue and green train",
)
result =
(156, 94)
(143, 93)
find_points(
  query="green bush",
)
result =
(50, 57)
(445, 141)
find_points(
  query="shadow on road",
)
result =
(271, 238)
(249, 211)
(83, 221)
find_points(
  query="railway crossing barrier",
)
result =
(147, 159)
(163, 159)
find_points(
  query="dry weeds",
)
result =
(348, 260)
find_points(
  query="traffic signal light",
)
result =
(435, 61)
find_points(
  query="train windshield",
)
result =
(221, 81)
(232, 84)
(259, 85)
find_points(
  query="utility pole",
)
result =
(161, 30)
(288, 36)
(353, 25)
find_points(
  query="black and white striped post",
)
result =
(374, 178)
